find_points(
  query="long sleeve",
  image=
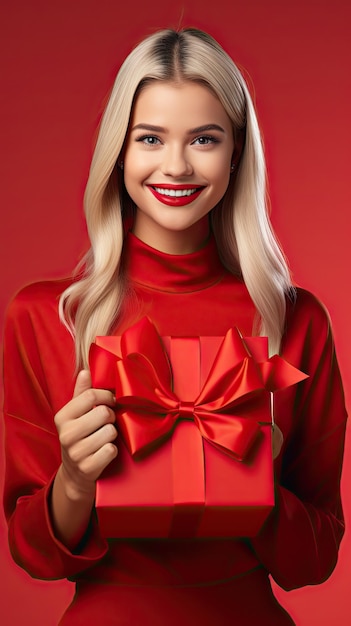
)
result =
(38, 380)
(137, 579)
(299, 543)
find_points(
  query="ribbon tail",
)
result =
(231, 434)
(277, 373)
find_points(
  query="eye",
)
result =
(149, 140)
(205, 140)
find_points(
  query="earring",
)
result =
(121, 165)
(232, 168)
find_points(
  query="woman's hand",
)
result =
(86, 431)
(278, 440)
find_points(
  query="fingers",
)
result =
(80, 477)
(85, 452)
(87, 447)
(75, 429)
(83, 383)
(86, 432)
(84, 403)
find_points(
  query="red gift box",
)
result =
(195, 445)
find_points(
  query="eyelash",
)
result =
(209, 139)
(144, 137)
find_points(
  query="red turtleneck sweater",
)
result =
(176, 581)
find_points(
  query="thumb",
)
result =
(83, 382)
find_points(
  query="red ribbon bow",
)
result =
(228, 409)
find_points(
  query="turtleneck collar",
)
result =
(172, 272)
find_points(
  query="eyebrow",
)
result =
(193, 131)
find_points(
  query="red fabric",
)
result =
(142, 382)
(184, 296)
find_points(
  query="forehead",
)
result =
(185, 104)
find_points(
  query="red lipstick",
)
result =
(176, 200)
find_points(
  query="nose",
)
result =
(176, 163)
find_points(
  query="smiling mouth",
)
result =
(176, 195)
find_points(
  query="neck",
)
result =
(172, 241)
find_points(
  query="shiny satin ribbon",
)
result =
(229, 408)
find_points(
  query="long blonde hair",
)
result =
(245, 240)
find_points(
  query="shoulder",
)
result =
(308, 330)
(38, 349)
(307, 310)
(35, 305)
(41, 295)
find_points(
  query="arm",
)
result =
(299, 543)
(47, 517)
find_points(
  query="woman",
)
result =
(175, 207)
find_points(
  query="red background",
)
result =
(59, 60)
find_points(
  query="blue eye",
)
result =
(205, 140)
(149, 140)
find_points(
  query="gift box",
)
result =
(195, 433)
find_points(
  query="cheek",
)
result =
(218, 169)
(137, 167)
(221, 178)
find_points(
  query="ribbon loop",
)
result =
(233, 402)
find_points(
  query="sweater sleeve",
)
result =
(299, 543)
(33, 383)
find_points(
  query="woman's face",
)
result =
(176, 163)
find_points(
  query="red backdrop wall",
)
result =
(59, 59)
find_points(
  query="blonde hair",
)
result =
(245, 240)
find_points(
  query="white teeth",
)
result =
(178, 193)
